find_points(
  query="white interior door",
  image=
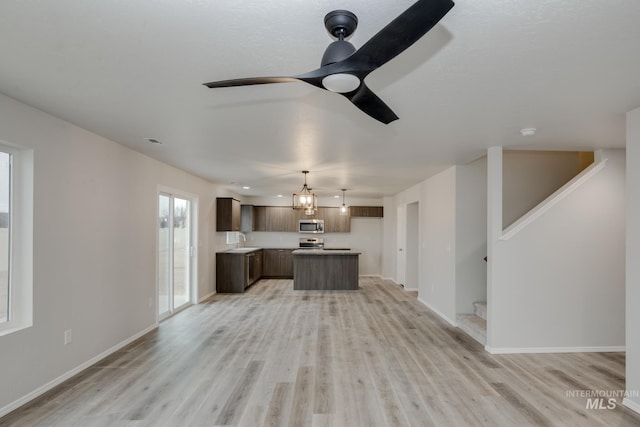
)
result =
(401, 273)
(412, 247)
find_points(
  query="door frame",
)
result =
(193, 238)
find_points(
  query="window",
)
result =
(16, 238)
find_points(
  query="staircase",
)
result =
(475, 325)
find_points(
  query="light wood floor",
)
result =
(373, 357)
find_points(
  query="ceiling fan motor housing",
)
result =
(341, 23)
(337, 51)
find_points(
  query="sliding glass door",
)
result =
(174, 253)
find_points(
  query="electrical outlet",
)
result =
(68, 336)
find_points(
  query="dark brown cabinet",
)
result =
(280, 218)
(285, 219)
(333, 221)
(235, 271)
(259, 219)
(277, 263)
(227, 214)
(367, 211)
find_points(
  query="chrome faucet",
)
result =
(244, 239)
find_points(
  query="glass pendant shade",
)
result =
(305, 199)
(344, 209)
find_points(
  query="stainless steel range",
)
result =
(311, 243)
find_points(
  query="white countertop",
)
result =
(325, 252)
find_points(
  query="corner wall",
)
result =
(558, 283)
(471, 235)
(94, 248)
(436, 240)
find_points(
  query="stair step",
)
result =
(480, 309)
(474, 326)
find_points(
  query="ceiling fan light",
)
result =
(341, 83)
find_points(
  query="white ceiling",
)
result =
(129, 70)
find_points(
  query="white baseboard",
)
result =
(62, 378)
(634, 406)
(390, 278)
(514, 350)
(436, 311)
(206, 297)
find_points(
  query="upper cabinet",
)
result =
(333, 221)
(367, 211)
(227, 214)
(273, 218)
(285, 219)
(246, 218)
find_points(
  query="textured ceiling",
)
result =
(132, 70)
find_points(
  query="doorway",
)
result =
(412, 245)
(175, 253)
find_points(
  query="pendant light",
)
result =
(305, 199)
(344, 209)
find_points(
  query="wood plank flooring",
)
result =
(278, 357)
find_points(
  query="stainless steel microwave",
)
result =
(312, 226)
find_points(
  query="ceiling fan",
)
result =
(343, 68)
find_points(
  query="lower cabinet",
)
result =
(237, 271)
(278, 263)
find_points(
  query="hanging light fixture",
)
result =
(305, 199)
(344, 209)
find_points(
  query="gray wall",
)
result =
(633, 255)
(528, 177)
(557, 284)
(94, 247)
(471, 234)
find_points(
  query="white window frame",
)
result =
(21, 240)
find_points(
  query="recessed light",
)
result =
(154, 141)
(279, 195)
(528, 131)
(245, 187)
(336, 197)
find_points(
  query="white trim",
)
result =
(411, 289)
(62, 378)
(453, 323)
(194, 203)
(515, 350)
(206, 297)
(634, 406)
(20, 239)
(390, 278)
(552, 200)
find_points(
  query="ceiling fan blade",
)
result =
(250, 81)
(400, 33)
(369, 103)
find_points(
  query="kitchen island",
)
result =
(325, 269)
